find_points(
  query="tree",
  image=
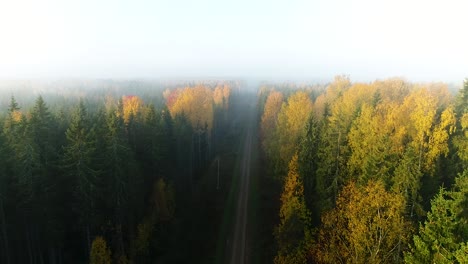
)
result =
(291, 125)
(5, 185)
(293, 234)
(461, 140)
(308, 163)
(443, 236)
(366, 226)
(13, 119)
(334, 151)
(197, 104)
(427, 130)
(270, 117)
(79, 164)
(132, 105)
(462, 99)
(370, 153)
(121, 175)
(100, 253)
(268, 125)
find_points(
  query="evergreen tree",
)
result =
(4, 195)
(79, 164)
(443, 236)
(308, 163)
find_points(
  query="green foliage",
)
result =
(79, 159)
(442, 238)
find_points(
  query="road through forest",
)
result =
(239, 243)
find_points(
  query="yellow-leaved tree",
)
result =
(269, 120)
(100, 253)
(196, 103)
(132, 105)
(292, 119)
(366, 226)
(293, 233)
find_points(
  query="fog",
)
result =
(264, 40)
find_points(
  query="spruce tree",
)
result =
(79, 165)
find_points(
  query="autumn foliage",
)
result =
(366, 226)
(371, 156)
(196, 103)
(100, 253)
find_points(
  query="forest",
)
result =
(151, 172)
(367, 172)
(114, 173)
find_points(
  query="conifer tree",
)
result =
(79, 164)
(443, 236)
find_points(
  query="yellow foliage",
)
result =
(131, 106)
(292, 234)
(16, 116)
(438, 140)
(196, 103)
(100, 254)
(366, 226)
(226, 95)
(162, 200)
(270, 117)
(392, 90)
(319, 107)
(291, 122)
(218, 96)
(221, 96)
(345, 108)
(293, 190)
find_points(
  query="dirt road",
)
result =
(239, 252)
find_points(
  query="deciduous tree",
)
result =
(367, 226)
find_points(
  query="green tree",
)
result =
(443, 236)
(5, 185)
(308, 163)
(79, 163)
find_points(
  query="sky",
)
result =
(421, 40)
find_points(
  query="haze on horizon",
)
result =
(419, 40)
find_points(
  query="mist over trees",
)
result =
(105, 175)
(104, 171)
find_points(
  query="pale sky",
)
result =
(420, 40)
